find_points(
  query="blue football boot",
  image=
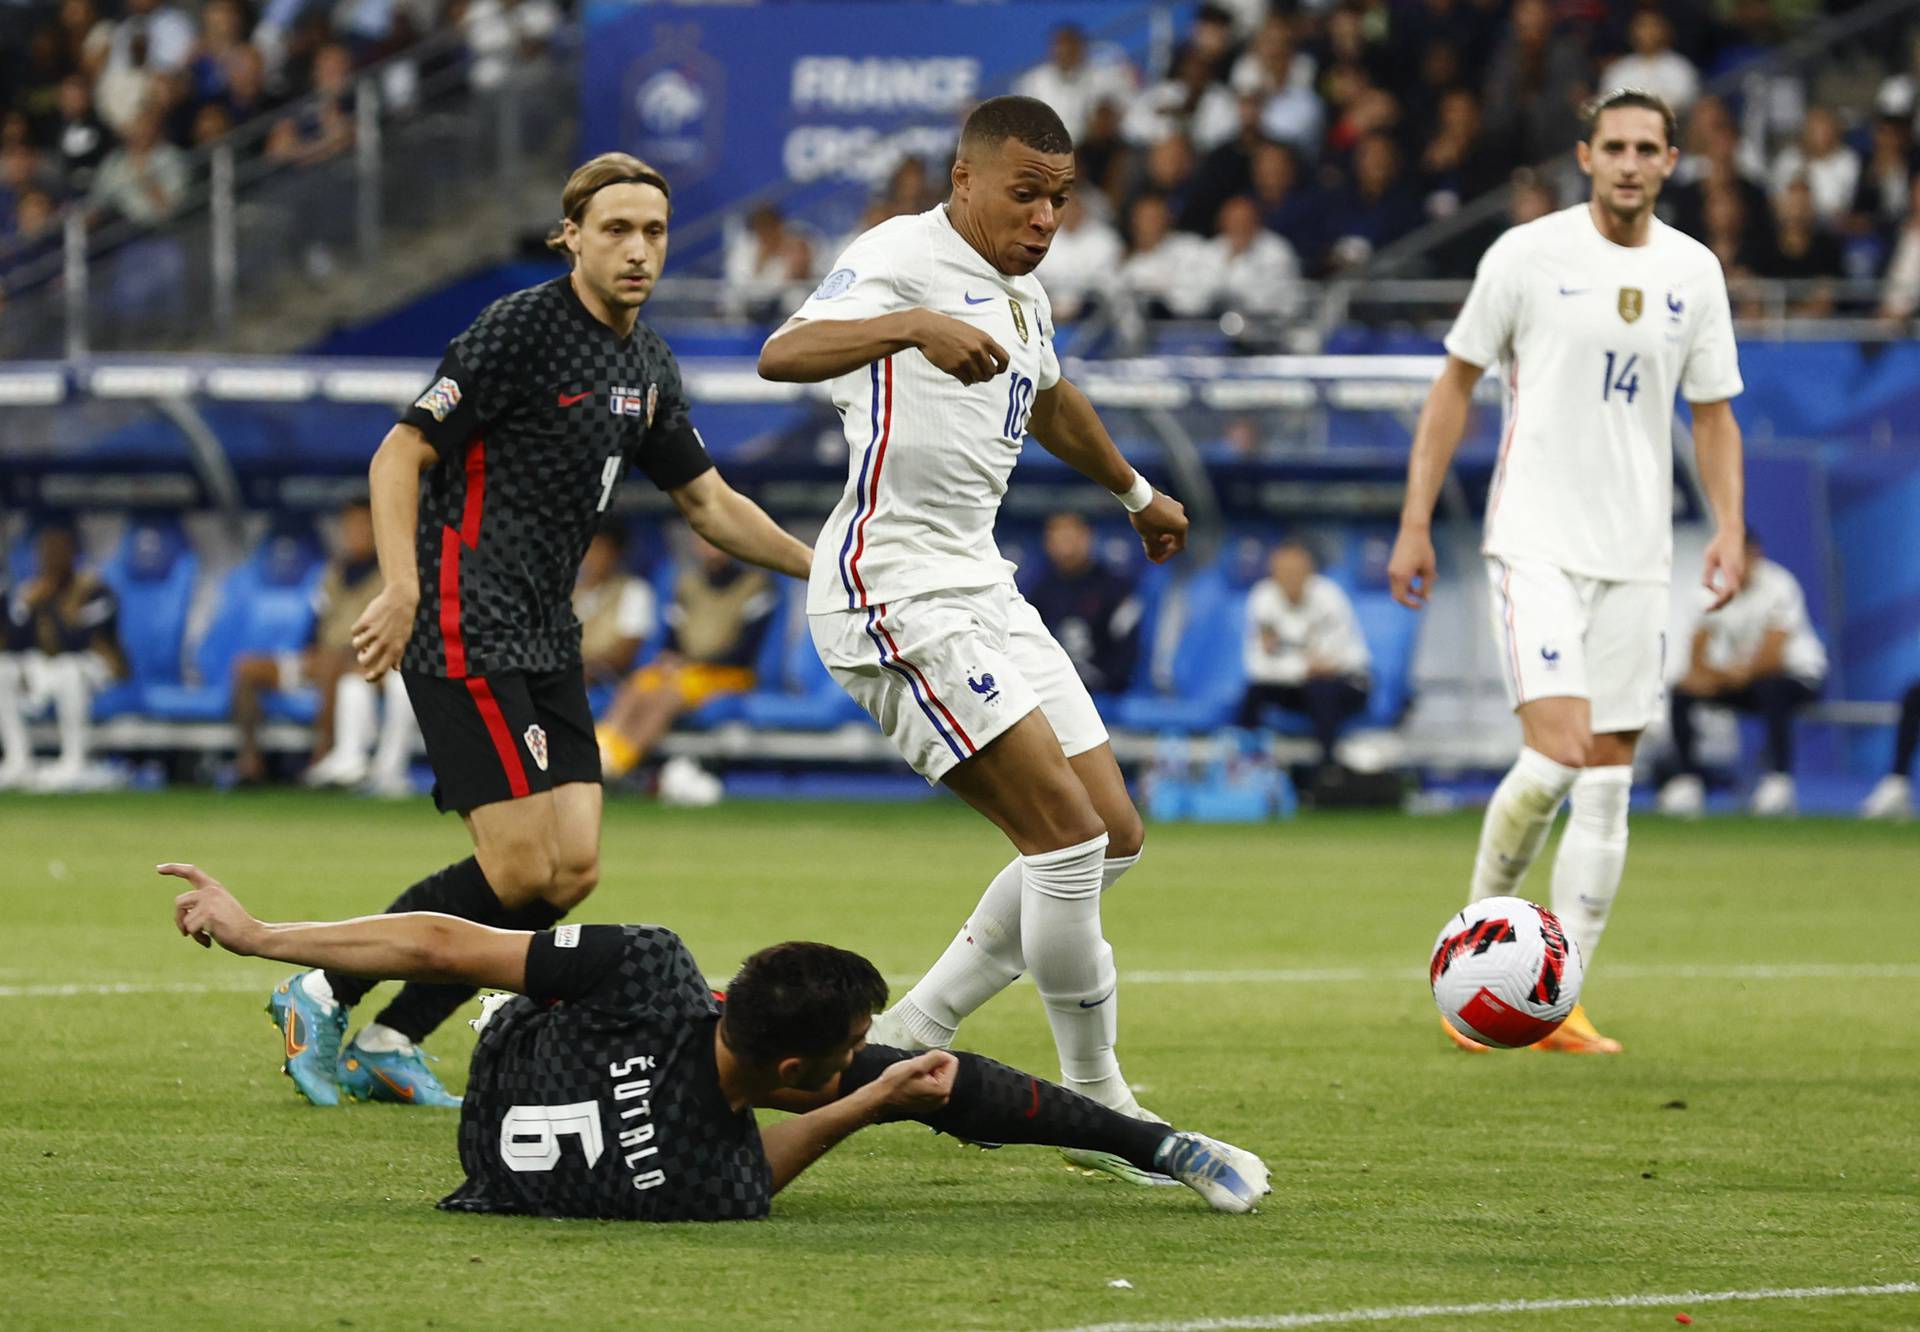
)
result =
(312, 1037)
(401, 1076)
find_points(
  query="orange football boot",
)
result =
(1464, 1042)
(1577, 1035)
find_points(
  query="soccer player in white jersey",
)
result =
(938, 342)
(1598, 315)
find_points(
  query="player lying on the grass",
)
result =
(615, 1084)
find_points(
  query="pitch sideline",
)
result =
(1396, 1313)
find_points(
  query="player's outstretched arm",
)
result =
(1065, 422)
(1717, 453)
(738, 526)
(904, 1090)
(380, 634)
(811, 351)
(412, 945)
(1412, 571)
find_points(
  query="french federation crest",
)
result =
(1019, 319)
(536, 745)
(1632, 302)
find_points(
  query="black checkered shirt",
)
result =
(537, 411)
(597, 1094)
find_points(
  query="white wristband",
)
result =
(1136, 496)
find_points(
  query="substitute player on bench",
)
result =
(485, 496)
(1599, 314)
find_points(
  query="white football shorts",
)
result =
(1562, 635)
(946, 672)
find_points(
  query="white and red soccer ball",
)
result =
(1505, 973)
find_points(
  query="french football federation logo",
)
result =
(984, 686)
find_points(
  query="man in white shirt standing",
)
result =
(938, 342)
(1304, 652)
(1761, 656)
(1598, 315)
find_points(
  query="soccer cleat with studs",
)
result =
(311, 1036)
(1118, 1166)
(1230, 1178)
(399, 1076)
(1577, 1035)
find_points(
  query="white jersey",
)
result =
(1285, 639)
(929, 457)
(1594, 339)
(1770, 599)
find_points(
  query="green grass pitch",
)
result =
(1761, 1131)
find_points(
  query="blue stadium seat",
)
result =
(766, 666)
(1205, 676)
(152, 574)
(796, 692)
(266, 606)
(1392, 632)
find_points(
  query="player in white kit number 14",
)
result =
(938, 342)
(1598, 316)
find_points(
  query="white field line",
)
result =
(1277, 976)
(1396, 1313)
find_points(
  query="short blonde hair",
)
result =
(594, 175)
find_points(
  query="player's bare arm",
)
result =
(1717, 452)
(811, 351)
(414, 946)
(1067, 425)
(380, 634)
(916, 1086)
(740, 527)
(1412, 572)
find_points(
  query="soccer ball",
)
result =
(1505, 973)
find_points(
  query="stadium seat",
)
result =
(1200, 684)
(796, 692)
(266, 606)
(766, 666)
(1391, 631)
(152, 574)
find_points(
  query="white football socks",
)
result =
(319, 989)
(355, 710)
(1519, 817)
(1592, 855)
(984, 958)
(1072, 966)
(377, 1038)
(395, 746)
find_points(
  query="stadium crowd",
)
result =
(102, 103)
(1299, 141)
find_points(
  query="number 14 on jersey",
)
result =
(1626, 383)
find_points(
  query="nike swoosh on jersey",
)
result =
(569, 399)
(975, 300)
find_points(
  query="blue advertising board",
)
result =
(813, 104)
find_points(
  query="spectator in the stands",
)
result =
(1822, 156)
(124, 89)
(1304, 652)
(168, 34)
(321, 128)
(1900, 290)
(80, 137)
(1103, 159)
(1081, 263)
(247, 94)
(715, 623)
(1289, 205)
(21, 173)
(910, 187)
(1073, 82)
(1250, 270)
(614, 605)
(1377, 209)
(348, 585)
(35, 85)
(1725, 230)
(61, 645)
(1162, 266)
(1458, 163)
(84, 36)
(1190, 102)
(1366, 111)
(223, 31)
(145, 178)
(1715, 156)
(499, 33)
(1535, 86)
(1212, 40)
(1280, 75)
(1091, 608)
(1759, 655)
(1169, 172)
(1228, 169)
(1653, 64)
(1881, 199)
(1892, 796)
(1802, 251)
(765, 261)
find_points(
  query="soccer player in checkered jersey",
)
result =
(485, 497)
(938, 342)
(1598, 315)
(620, 1087)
